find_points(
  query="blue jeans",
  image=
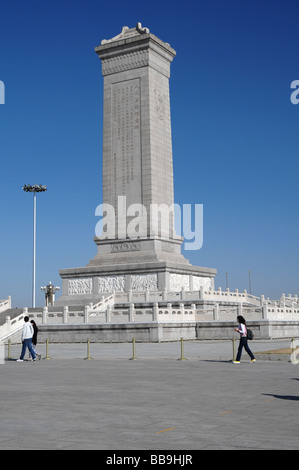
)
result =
(243, 344)
(27, 343)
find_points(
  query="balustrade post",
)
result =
(65, 314)
(265, 311)
(147, 295)
(86, 313)
(108, 314)
(216, 312)
(182, 308)
(45, 315)
(156, 311)
(201, 293)
(183, 293)
(131, 312)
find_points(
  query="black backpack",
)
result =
(250, 335)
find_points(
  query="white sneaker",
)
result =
(20, 360)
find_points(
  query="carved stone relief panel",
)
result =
(177, 281)
(144, 282)
(80, 286)
(111, 284)
(204, 282)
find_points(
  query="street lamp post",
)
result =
(36, 188)
(249, 276)
(50, 293)
(226, 280)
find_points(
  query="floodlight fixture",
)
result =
(34, 188)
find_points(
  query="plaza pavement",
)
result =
(153, 403)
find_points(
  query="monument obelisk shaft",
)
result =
(137, 144)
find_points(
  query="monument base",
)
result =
(158, 332)
(85, 285)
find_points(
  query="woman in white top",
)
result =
(243, 341)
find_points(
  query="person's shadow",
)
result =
(283, 397)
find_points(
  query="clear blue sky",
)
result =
(235, 133)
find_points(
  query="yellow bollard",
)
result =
(88, 351)
(47, 350)
(292, 345)
(9, 350)
(234, 349)
(182, 358)
(134, 358)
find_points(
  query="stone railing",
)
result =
(12, 326)
(139, 307)
(284, 301)
(5, 304)
(275, 311)
(127, 313)
(103, 304)
(231, 296)
(185, 295)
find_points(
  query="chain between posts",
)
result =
(133, 358)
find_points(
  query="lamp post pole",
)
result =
(249, 275)
(34, 249)
(37, 188)
(226, 279)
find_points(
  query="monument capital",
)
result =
(134, 48)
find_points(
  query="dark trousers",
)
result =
(243, 344)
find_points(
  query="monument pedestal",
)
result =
(82, 286)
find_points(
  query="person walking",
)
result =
(27, 334)
(34, 339)
(242, 330)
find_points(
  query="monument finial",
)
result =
(142, 30)
(127, 32)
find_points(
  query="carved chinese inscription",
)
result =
(126, 153)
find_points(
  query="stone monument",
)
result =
(137, 248)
